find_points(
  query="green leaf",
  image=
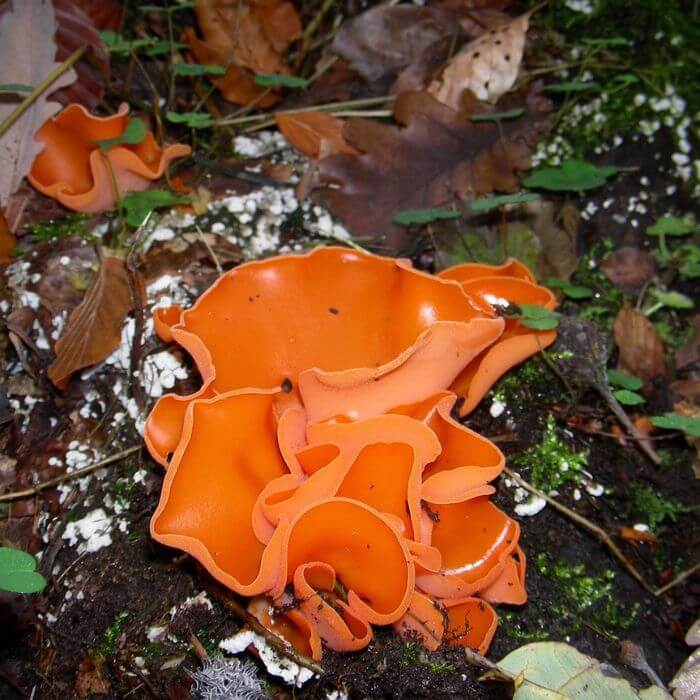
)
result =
(195, 120)
(18, 572)
(672, 226)
(277, 80)
(14, 88)
(611, 41)
(489, 203)
(570, 176)
(197, 69)
(410, 217)
(498, 116)
(572, 86)
(134, 133)
(139, 205)
(572, 291)
(549, 670)
(674, 300)
(538, 318)
(673, 421)
(628, 398)
(627, 381)
(117, 44)
(162, 47)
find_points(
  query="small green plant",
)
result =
(138, 205)
(272, 80)
(573, 291)
(570, 176)
(194, 120)
(674, 421)
(410, 217)
(134, 133)
(655, 509)
(536, 317)
(628, 386)
(552, 463)
(485, 204)
(73, 225)
(18, 572)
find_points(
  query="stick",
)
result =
(282, 646)
(588, 525)
(679, 579)
(34, 95)
(42, 486)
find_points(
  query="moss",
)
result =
(153, 650)
(552, 463)
(511, 626)
(73, 225)
(532, 379)
(111, 636)
(654, 509)
(586, 600)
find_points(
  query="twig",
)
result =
(278, 643)
(586, 524)
(40, 89)
(210, 250)
(43, 485)
(679, 579)
(631, 429)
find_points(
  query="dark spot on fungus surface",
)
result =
(287, 386)
(333, 310)
(507, 57)
(476, 54)
(435, 517)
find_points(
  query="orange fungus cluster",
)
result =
(320, 470)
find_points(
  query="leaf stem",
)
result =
(40, 89)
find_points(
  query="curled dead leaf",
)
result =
(315, 134)
(641, 349)
(689, 354)
(7, 241)
(93, 330)
(246, 38)
(629, 268)
(487, 66)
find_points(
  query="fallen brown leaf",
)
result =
(437, 155)
(558, 256)
(90, 678)
(105, 14)
(487, 66)
(246, 38)
(7, 241)
(386, 39)
(689, 354)
(27, 56)
(629, 268)
(641, 349)
(313, 133)
(632, 535)
(76, 29)
(94, 327)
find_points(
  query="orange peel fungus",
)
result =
(320, 470)
(72, 169)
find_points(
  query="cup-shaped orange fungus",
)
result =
(320, 469)
(73, 170)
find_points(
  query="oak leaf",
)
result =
(641, 349)
(27, 56)
(487, 66)
(313, 133)
(437, 155)
(94, 327)
(246, 38)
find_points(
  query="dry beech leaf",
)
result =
(487, 66)
(689, 354)
(94, 327)
(247, 38)
(7, 241)
(437, 155)
(385, 39)
(27, 56)
(641, 350)
(313, 133)
(629, 268)
(105, 14)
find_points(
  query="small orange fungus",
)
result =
(73, 170)
(320, 469)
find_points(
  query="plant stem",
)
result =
(40, 89)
